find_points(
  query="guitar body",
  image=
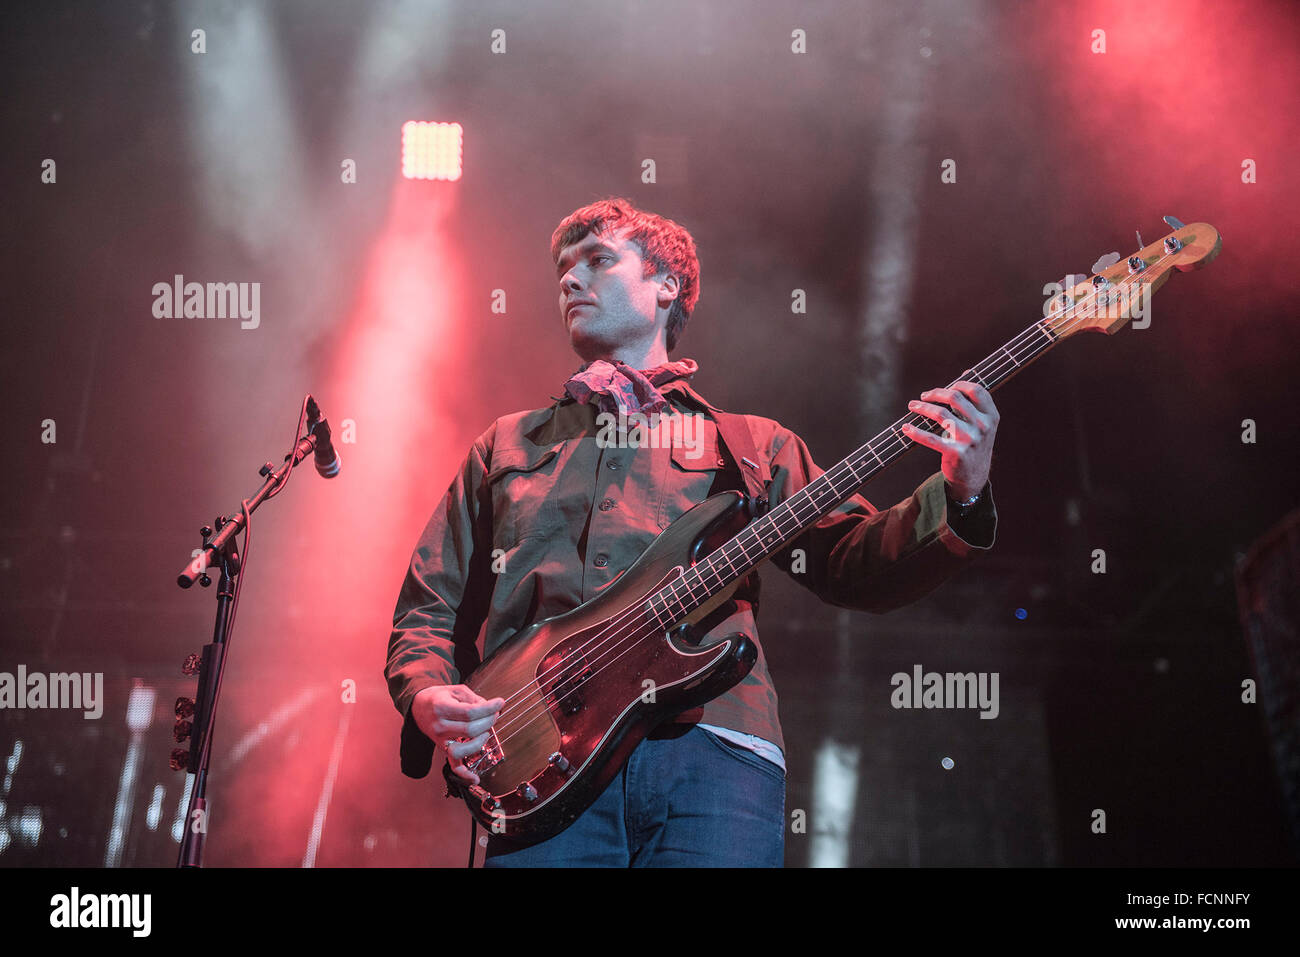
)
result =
(583, 689)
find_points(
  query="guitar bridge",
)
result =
(488, 757)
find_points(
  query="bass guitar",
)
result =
(575, 685)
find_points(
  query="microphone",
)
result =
(328, 462)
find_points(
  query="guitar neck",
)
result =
(773, 530)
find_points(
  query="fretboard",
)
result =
(783, 523)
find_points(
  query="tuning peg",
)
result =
(191, 665)
(1174, 222)
(1105, 262)
(184, 707)
(182, 729)
(180, 759)
(1139, 236)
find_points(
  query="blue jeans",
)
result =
(682, 800)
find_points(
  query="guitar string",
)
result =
(854, 461)
(534, 695)
(513, 727)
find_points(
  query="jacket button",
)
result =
(613, 464)
(721, 461)
(606, 505)
(601, 561)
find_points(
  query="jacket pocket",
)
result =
(522, 481)
(689, 478)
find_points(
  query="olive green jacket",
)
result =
(541, 518)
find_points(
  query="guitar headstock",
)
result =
(1121, 291)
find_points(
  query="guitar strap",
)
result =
(738, 440)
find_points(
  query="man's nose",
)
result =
(570, 283)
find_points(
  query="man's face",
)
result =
(605, 300)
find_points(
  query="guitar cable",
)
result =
(473, 836)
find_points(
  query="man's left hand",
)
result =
(970, 422)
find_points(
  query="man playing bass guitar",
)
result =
(542, 517)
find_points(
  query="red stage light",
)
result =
(431, 150)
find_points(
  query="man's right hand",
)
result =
(457, 720)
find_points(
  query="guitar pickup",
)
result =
(488, 757)
(565, 691)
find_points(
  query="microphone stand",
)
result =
(221, 552)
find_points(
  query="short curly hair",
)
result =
(665, 246)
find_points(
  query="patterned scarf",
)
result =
(617, 388)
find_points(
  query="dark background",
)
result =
(817, 171)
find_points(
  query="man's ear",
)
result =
(668, 290)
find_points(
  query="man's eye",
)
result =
(596, 259)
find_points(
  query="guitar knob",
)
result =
(191, 665)
(180, 759)
(1105, 262)
(559, 762)
(527, 792)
